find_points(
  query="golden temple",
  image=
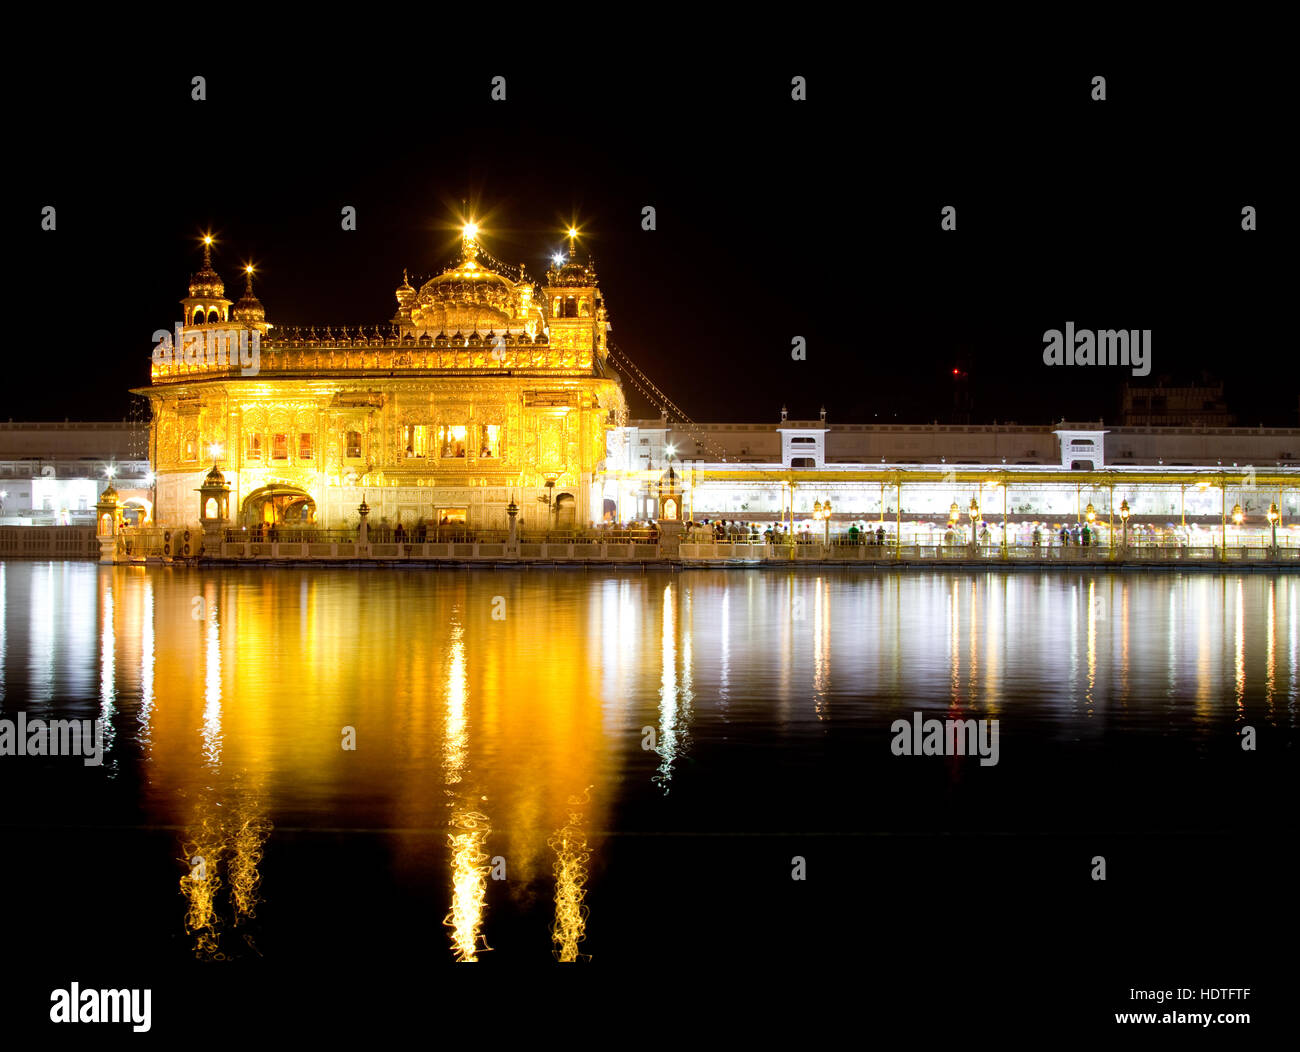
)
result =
(485, 388)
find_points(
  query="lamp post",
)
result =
(551, 478)
(1273, 516)
(974, 522)
(1124, 514)
(1090, 516)
(822, 513)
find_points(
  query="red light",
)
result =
(955, 373)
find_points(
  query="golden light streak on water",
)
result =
(469, 828)
(212, 688)
(1124, 642)
(108, 673)
(469, 876)
(1204, 603)
(975, 636)
(146, 664)
(1091, 683)
(1239, 647)
(1270, 646)
(667, 733)
(954, 644)
(572, 856)
(821, 647)
(251, 829)
(201, 853)
(230, 827)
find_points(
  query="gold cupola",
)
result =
(467, 298)
(249, 310)
(206, 304)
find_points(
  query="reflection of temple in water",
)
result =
(469, 736)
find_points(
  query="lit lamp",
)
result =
(974, 521)
(1237, 515)
(822, 513)
(1124, 514)
(1273, 516)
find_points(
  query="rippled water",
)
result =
(501, 723)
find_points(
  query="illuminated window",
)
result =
(451, 440)
(304, 445)
(189, 447)
(490, 446)
(255, 446)
(450, 516)
(415, 440)
(353, 445)
(280, 447)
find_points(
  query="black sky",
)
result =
(775, 218)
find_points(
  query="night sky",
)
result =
(775, 218)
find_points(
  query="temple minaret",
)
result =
(206, 304)
(249, 310)
(577, 313)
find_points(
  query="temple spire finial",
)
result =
(469, 241)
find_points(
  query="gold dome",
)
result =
(207, 282)
(249, 307)
(467, 298)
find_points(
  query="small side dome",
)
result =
(249, 308)
(207, 282)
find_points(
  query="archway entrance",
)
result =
(135, 512)
(566, 511)
(280, 506)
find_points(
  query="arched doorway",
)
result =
(279, 505)
(135, 512)
(566, 511)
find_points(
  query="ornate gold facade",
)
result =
(482, 389)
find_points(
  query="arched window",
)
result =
(198, 316)
(352, 448)
(213, 316)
